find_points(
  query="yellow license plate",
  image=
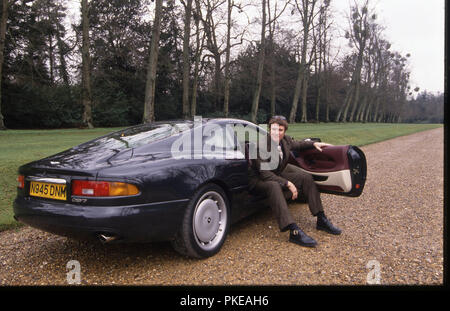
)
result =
(48, 190)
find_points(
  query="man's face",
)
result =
(277, 132)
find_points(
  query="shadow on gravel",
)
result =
(91, 250)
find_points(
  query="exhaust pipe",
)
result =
(104, 238)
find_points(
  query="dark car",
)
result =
(179, 181)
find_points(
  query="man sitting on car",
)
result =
(286, 180)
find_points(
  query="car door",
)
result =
(339, 170)
(246, 136)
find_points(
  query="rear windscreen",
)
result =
(138, 136)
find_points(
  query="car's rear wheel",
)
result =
(205, 223)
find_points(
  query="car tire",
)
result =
(205, 223)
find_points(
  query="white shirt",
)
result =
(281, 151)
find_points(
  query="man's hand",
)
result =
(319, 145)
(293, 189)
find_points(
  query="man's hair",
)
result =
(280, 120)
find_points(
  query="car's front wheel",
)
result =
(205, 224)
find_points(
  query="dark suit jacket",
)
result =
(287, 145)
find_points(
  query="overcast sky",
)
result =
(415, 27)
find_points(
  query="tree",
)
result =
(198, 53)
(326, 54)
(273, 15)
(261, 58)
(244, 70)
(424, 108)
(34, 93)
(358, 34)
(86, 67)
(4, 19)
(186, 64)
(372, 73)
(120, 42)
(307, 11)
(63, 50)
(230, 23)
(320, 44)
(212, 22)
(226, 92)
(213, 45)
(149, 103)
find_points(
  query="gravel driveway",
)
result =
(392, 234)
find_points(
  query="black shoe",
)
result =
(325, 225)
(297, 236)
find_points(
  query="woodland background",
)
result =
(125, 62)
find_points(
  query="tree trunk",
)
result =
(347, 103)
(194, 89)
(327, 93)
(362, 107)
(355, 98)
(226, 94)
(304, 118)
(2, 48)
(259, 76)
(318, 104)
(86, 71)
(365, 116)
(375, 113)
(354, 89)
(186, 65)
(273, 94)
(51, 57)
(198, 52)
(382, 112)
(217, 80)
(318, 70)
(62, 61)
(149, 103)
(297, 90)
(327, 79)
(304, 87)
(366, 99)
(344, 105)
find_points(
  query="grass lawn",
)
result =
(18, 147)
(356, 134)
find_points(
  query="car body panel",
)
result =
(166, 184)
(146, 222)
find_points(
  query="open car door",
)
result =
(339, 170)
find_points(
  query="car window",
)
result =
(245, 133)
(247, 136)
(137, 136)
(218, 137)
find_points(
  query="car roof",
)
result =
(204, 120)
(227, 120)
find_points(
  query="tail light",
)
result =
(102, 188)
(21, 181)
